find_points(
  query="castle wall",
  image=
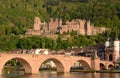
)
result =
(102, 29)
(82, 27)
(53, 25)
(76, 27)
(96, 30)
(33, 32)
(60, 22)
(70, 26)
(64, 28)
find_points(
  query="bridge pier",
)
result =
(35, 68)
(0, 72)
(1, 68)
(34, 72)
(66, 70)
(95, 63)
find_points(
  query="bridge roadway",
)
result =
(32, 62)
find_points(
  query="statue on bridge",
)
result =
(95, 56)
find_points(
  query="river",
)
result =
(70, 75)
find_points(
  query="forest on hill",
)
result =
(16, 16)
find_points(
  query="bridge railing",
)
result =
(66, 55)
(105, 61)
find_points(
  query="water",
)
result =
(55, 75)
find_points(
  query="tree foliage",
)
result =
(19, 15)
(16, 42)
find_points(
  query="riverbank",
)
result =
(73, 70)
(14, 68)
(96, 71)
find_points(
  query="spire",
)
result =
(107, 42)
(108, 38)
(116, 38)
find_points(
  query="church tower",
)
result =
(116, 49)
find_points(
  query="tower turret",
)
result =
(116, 49)
(107, 42)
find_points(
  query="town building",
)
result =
(105, 51)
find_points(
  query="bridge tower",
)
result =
(116, 49)
(107, 43)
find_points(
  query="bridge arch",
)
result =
(110, 66)
(26, 65)
(102, 66)
(59, 65)
(83, 63)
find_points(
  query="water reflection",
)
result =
(109, 75)
(70, 75)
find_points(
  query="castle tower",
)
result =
(37, 23)
(59, 25)
(53, 25)
(107, 43)
(88, 28)
(60, 22)
(82, 27)
(116, 49)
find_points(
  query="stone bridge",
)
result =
(32, 62)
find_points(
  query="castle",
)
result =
(82, 27)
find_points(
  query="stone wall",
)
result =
(53, 25)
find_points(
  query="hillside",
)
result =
(16, 16)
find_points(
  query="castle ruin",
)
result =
(82, 27)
